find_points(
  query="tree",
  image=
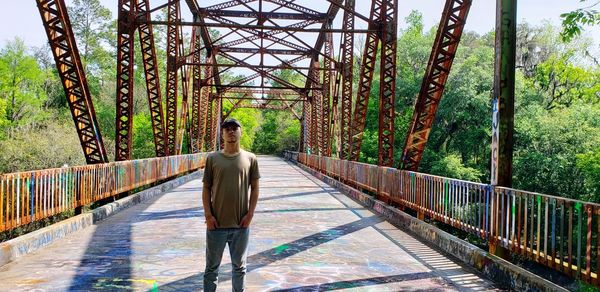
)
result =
(574, 21)
(93, 29)
(20, 83)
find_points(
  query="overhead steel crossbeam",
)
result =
(70, 70)
(444, 49)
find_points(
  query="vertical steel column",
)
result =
(503, 103)
(367, 70)
(205, 105)
(387, 78)
(316, 109)
(326, 96)
(208, 142)
(152, 80)
(172, 66)
(195, 137)
(185, 88)
(66, 56)
(444, 48)
(347, 72)
(307, 121)
(124, 97)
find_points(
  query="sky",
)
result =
(21, 17)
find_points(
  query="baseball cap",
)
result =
(228, 122)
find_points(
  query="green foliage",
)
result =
(278, 132)
(589, 164)
(21, 89)
(574, 21)
(546, 148)
(452, 166)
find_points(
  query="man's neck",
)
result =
(231, 148)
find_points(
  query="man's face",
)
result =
(231, 133)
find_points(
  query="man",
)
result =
(228, 175)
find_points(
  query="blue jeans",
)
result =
(237, 239)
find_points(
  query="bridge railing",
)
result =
(561, 233)
(30, 196)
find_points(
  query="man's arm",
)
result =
(253, 200)
(211, 221)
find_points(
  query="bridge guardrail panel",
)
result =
(561, 233)
(30, 196)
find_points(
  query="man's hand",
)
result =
(246, 220)
(211, 223)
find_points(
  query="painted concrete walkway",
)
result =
(305, 236)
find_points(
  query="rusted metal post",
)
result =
(387, 88)
(124, 97)
(442, 55)
(70, 70)
(147, 45)
(347, 79)
(503, 103)
(172, 66)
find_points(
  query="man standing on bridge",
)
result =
(228, 176)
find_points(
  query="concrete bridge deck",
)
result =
(305, 236)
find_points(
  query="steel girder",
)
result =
(367, 70)
(157, 117)
(173, 15)
(205, 106)
(195, 138)
(387, 88)
(326, 97)
(124, 96)
(185, 87)
(347, 80)
(208, 137)
(317, 136)
(70, 70)
(444, 49)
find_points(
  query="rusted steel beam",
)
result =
(387, 88)
(367, 70)
(306, 126)
(232, 25)
(316, 108)
(124, 96)
(298, 90)
(227, 4)
(236, 105)
(289, 4)
(195, 138)
(148, 48)
(347, 80)
(70, 70)
(263, 99)
(444, 49)
(278, 67)
(259, 50)
(291, 108)
(185, 88)
(269, 15)
(172, 68)
(326, 97)
(256, 35)
(259, 91)
(208, 137)
(204, 33)
(205, 92)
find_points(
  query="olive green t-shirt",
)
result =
(229, 179)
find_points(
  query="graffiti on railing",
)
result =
(560, 233)
(26, 197)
